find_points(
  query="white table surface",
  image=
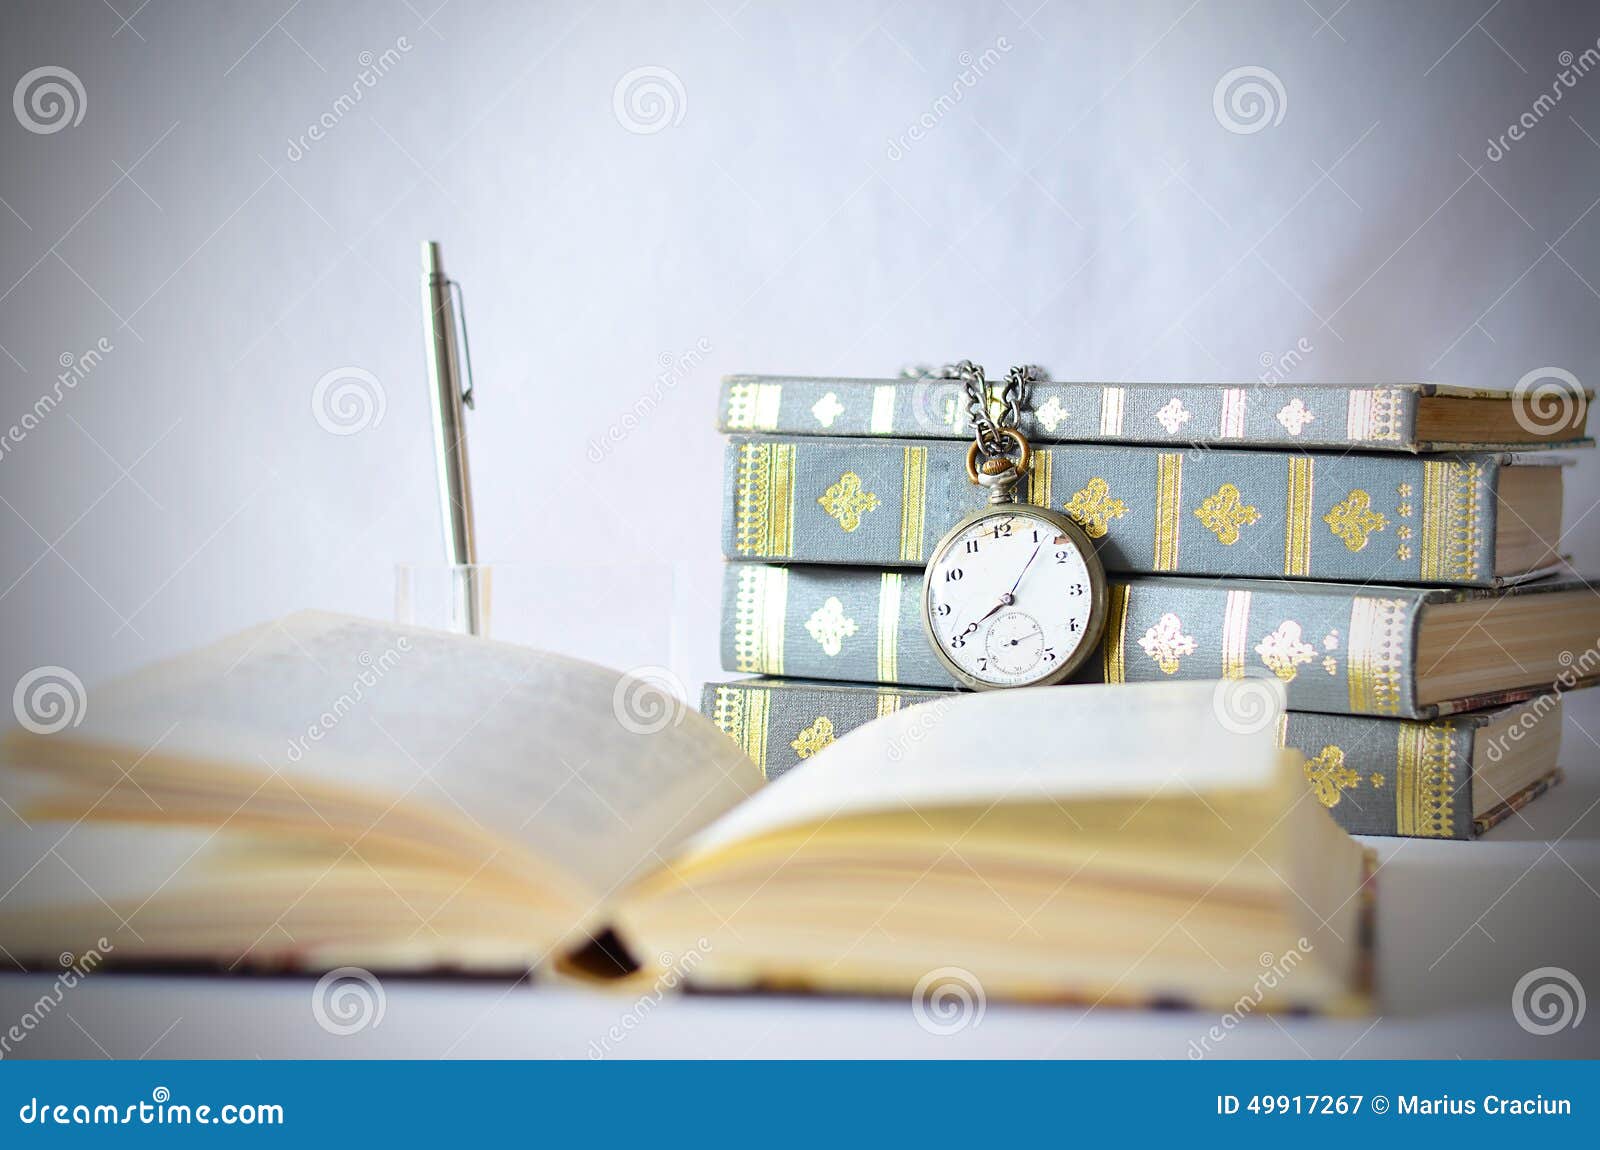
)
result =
(1458, 925)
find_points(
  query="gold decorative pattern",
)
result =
(1172, 415)
(1353, 519)
(1283, 651)
(1403, 510)
(759, 612)
(882, 410)
(1041, 476)
(891, 589)
(1113, 400)
(1113, 652)
(1403, 490)
(811, 740)
(1169, 510)
(1403, 531)
(1424, 780)
(1225, 512)
(1378, 636)
(1374, 414)
(888, 703)
(847, 501)
(830, 626)
(1235, 634)
(1294, 416)
(1051, 414)
(742, 713)
(1231, 424)
(1297, 531)
(1329, 776)
(827, 409)
(1376, 780)
(1330, 641)
(1330, 664)
(764, 500)
(913, 504)
(1403, 552)
(753, 406)
(1093, 508)
(1452, 536)
(1166, 643)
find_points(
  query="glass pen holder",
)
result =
(455, 597)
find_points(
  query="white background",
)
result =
(1082, 206)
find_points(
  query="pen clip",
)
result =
(466, 344)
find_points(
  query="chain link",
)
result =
(1013, 397)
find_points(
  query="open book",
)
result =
(323, 791)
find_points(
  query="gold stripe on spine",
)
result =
(1169, 510)
(1112, 401)
(763, 514)
(743, 713)
(891, 588)
(1424, 781)
(1112, 652)
(1452, 536)
(1231, 425)
(1376, 653)
(758, 618)
(913, 504)
(754, 406)
(1297, 531)
(888, 704)
(1373, 415)
(883, 410)
(1282, 734)
(1040, 468)
(1236, 634)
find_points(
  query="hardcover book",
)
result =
(1404, 417)
(1451, 778)
(434, 820)
(1478, 520)
(1404, 652)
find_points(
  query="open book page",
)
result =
(599, 774)
(1041, 743)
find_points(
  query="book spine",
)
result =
(1352, 518)
(1376, 418)
(1336, 649)
(1375, 776)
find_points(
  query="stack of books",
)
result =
(1388, 553)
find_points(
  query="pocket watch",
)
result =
(1013, 595)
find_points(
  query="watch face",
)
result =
(1014, 597)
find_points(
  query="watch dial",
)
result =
(1009, 599)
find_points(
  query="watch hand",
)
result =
(1023, 572)
(1009, 597)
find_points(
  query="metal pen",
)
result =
(446, 343)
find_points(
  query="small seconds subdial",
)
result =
(1014, 596)
(1015, 643)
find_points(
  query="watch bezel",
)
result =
(1094, 629)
